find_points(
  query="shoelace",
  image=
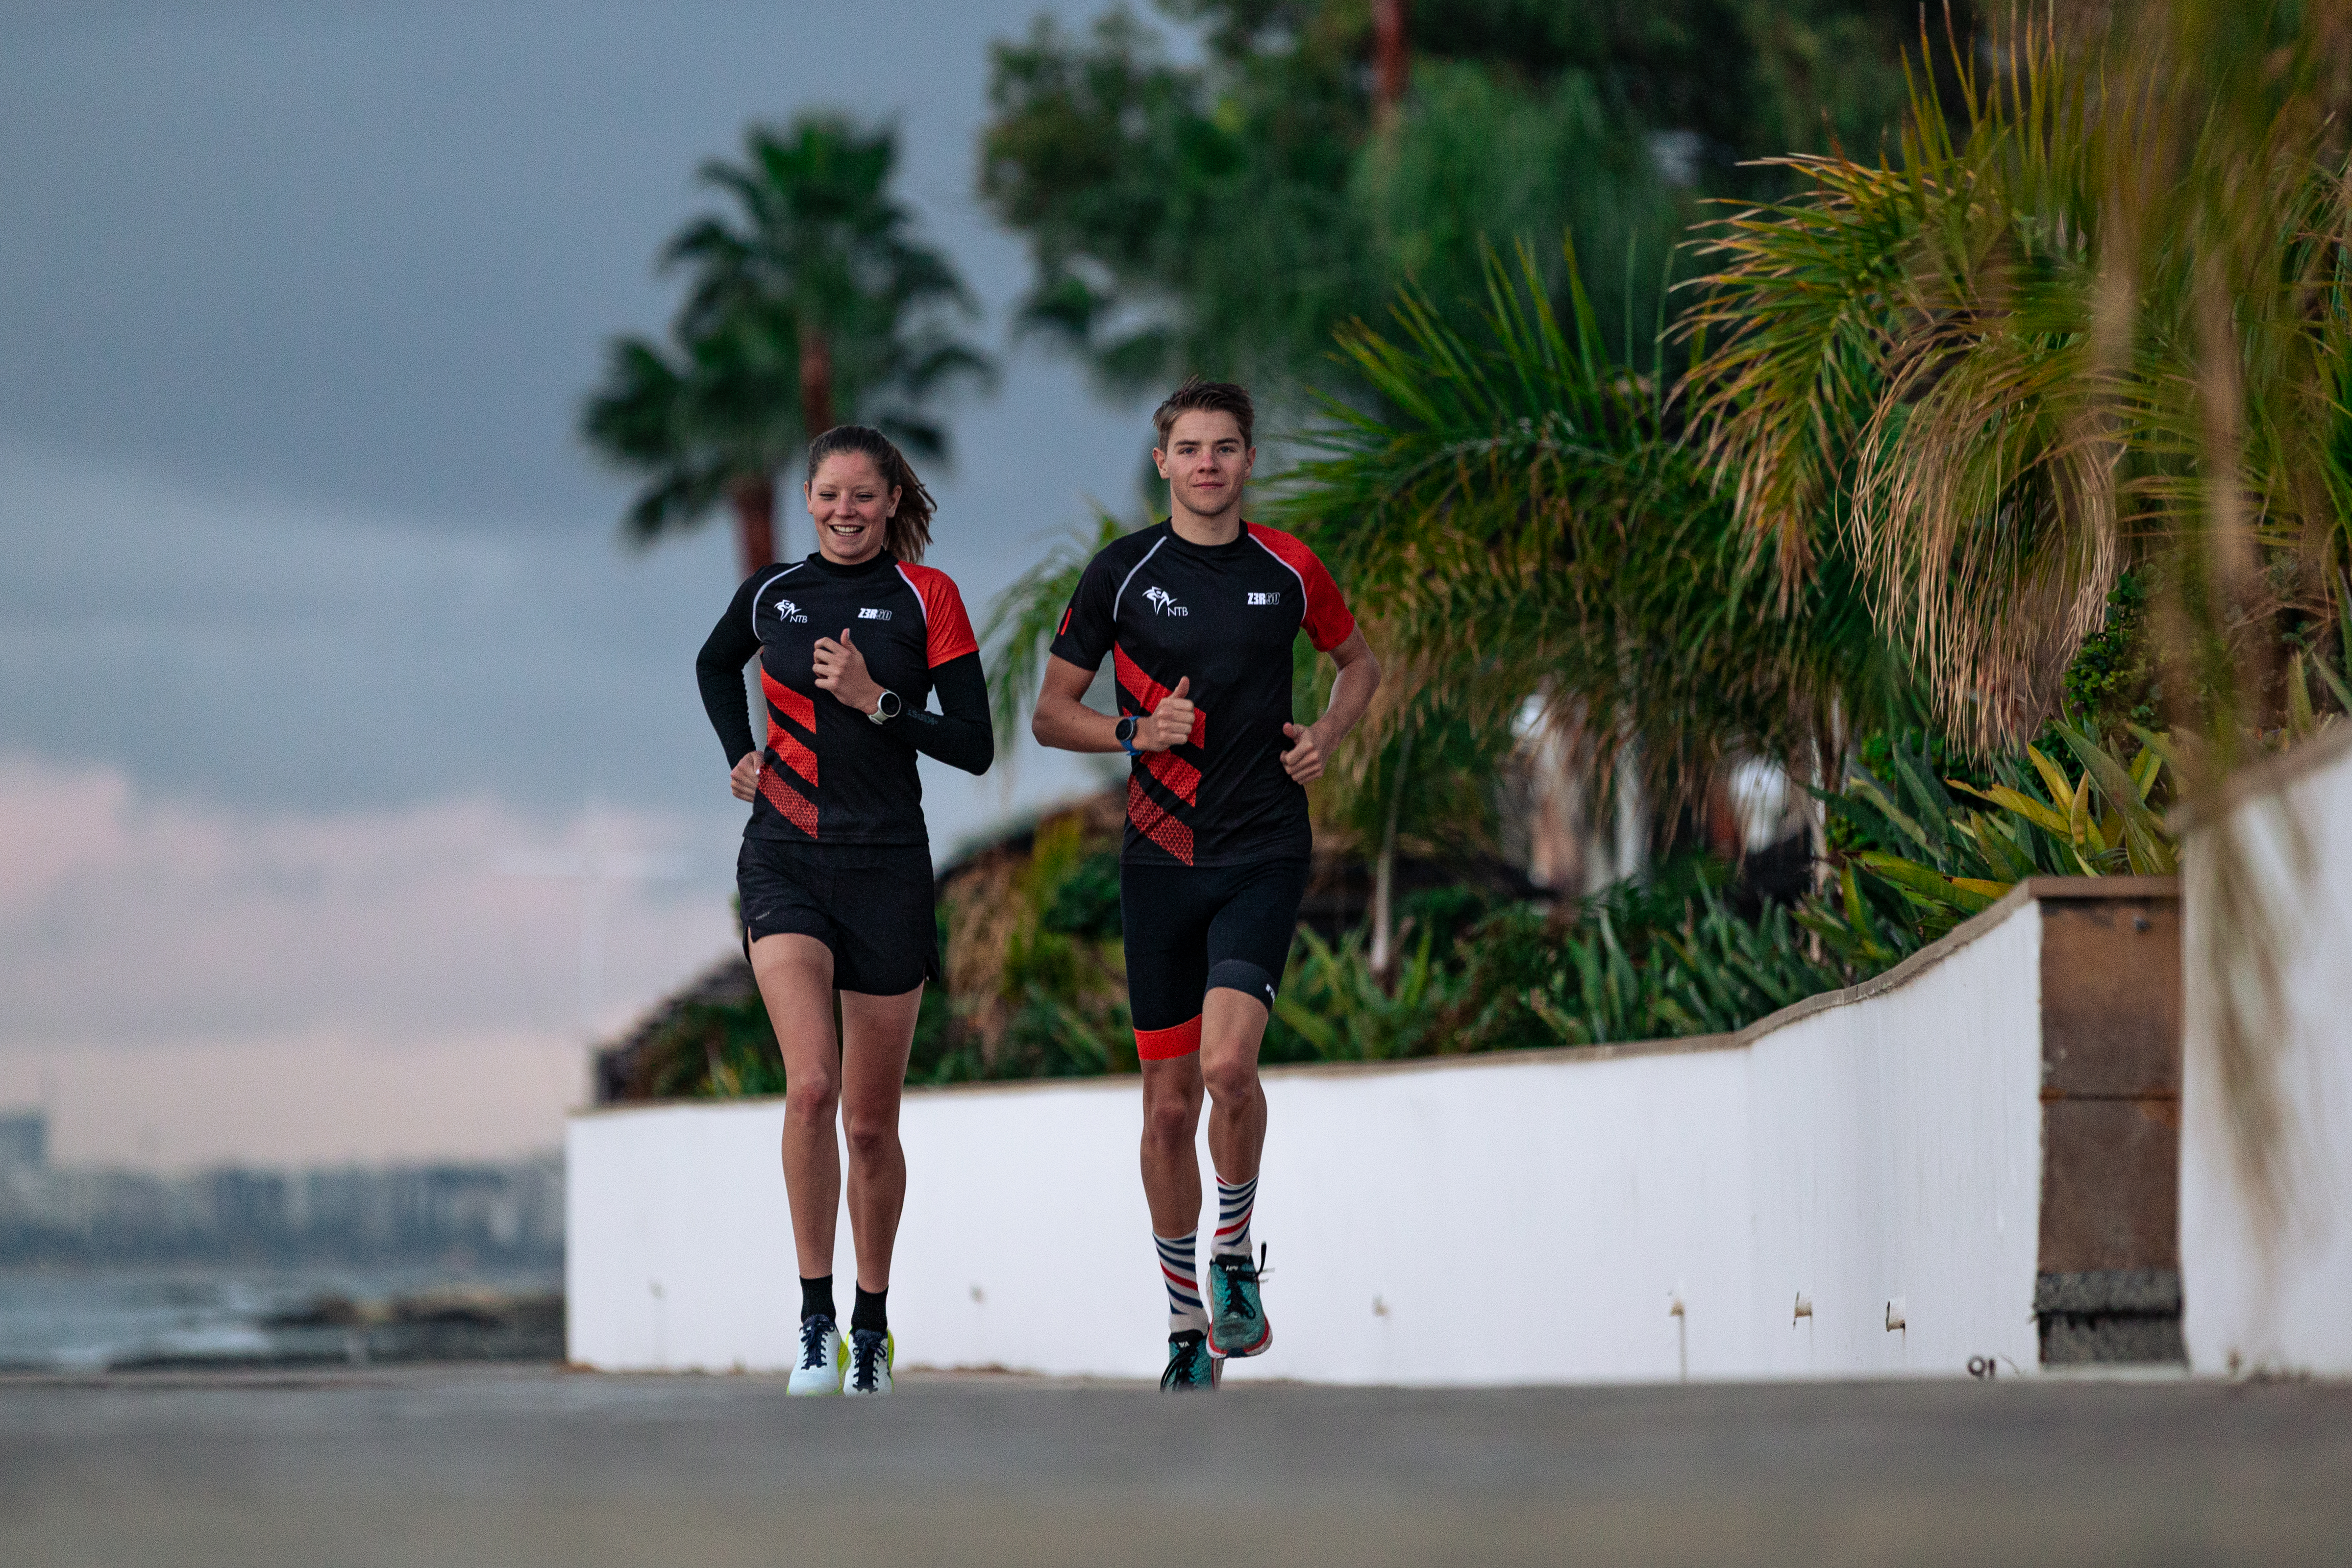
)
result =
(1192, 1347)
(1239, 1270)
(865, 1361)
(813, 1332)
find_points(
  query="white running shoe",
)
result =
(823, 1358)
(871, 1352)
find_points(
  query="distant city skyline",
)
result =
(476, 1214)
(316, 610)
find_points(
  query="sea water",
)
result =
(58, 1319)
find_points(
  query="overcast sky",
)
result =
(316, 639)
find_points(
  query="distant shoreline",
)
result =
(81, 1318)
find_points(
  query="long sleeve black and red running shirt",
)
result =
(834, 776)
(1225, 616)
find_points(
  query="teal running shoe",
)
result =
(1237, 1325)
(1190, 1365)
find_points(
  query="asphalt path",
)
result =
(524, 1468)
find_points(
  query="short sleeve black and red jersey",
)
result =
(1225, 616)
(834, 776)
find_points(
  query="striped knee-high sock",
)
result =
(1234, 1207)
(1182, 1275)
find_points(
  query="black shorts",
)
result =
(869, 903)
(1190, 929)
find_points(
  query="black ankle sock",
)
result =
(816, 1297)
(870, 1313)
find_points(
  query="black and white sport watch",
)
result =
(1125, 734)
(886, 707)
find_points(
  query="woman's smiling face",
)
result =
(851, 508)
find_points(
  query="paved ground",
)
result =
(517, 1469)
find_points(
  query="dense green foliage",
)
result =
(1994, 363)
(1524, 524)
(1665, 956)
(2035, 427)
(1160, 195)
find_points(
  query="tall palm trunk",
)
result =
(754, 500)
(1384, 870)
(1392, 60)
(816, 382)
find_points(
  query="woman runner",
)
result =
(835, 870)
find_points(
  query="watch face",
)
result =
(1125, 733)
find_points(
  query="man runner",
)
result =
(1199, 615)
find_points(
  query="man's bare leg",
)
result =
(1233, 1028)
(1171, 1169)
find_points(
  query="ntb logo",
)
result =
(1163, 603)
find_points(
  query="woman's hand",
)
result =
(745, 778)
(841, 669)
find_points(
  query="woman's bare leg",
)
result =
(796, 975)
(877, 1033)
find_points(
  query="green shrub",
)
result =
(1503, 959)
(1923, 845)
(1921, 861)
(1084, 901)
(1333, 1008)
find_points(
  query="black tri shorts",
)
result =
(1190, 929)
(869, 903)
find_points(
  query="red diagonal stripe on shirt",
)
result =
(789, 804)
(1146, 692)
(1149, 693)
(800, 709)
(1151, 820)
(1182, 779)
(789, 749)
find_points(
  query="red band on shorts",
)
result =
(1167, 1045)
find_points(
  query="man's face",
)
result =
(1206, 461)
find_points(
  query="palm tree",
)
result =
(2008, 363)
(1391, 58)
(1521, 523)
(2104, 323)
(807, 302)
(712, 419)
(817, 233)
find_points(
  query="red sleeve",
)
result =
(1328, 622)
(946, 629)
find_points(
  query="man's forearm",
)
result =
(1352, 695)
(1067, 725)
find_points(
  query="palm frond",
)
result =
(1021, 622)
(1519, 521)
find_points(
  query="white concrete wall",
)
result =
(2259, 1296)
(1497, 1219)
(1896, 1153)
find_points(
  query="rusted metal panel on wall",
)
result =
(2111, 1040)
(2110, 1186)
(2111, 994)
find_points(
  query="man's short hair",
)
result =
(1206, 397)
